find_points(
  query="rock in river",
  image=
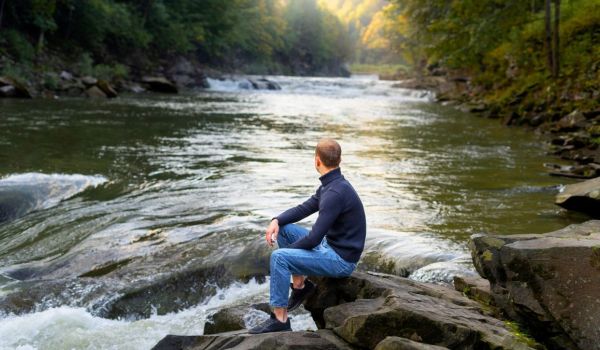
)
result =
(160, 84)
(11, 88)
(376, 311)
(583, 197)
(264, 84)
(95, 92)
(549, 282)
(236, 318)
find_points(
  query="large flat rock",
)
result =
(549, 282)
(367, 308)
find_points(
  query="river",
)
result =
(124, 220)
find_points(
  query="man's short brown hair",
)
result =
(330, 152)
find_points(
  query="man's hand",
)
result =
(272, 232)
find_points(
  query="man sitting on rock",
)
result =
(332, 248)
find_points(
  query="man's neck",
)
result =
(324, 171)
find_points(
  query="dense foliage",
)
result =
(267, 35)
(506, 46)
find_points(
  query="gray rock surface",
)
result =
(476, 288)
(397, 343)
(549, 282)
(583, 197)
(274, 341)
(366, 308)
(236, 318)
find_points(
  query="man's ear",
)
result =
(317, 161)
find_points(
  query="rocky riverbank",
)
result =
(378, 311)
(547, 283)
(181, 74)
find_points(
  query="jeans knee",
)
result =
(276, 256)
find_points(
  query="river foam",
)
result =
(76, 328)
(357, 86)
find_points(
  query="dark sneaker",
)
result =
(271, 325)
(299, 295)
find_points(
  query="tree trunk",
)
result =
(548, 38)
(556, 50)
(40, 44)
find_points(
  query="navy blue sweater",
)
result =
(341, 217)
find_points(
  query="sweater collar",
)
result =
(330, 176)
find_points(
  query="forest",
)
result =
(504, 48)
(507, 47)
(260, 36)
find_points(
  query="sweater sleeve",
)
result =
(330, 209)
(299, 212)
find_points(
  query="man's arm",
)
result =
(299, 212)
(331, 207)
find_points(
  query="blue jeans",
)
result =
(319, 261)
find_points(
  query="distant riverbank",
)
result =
(568, 118)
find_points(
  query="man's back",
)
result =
(341, 217)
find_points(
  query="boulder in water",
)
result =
(89, 81)
(160, 84)
(548, 282)
(236, 318)
(12, 88)
(184, 73)
(264, 84)
(583, 197)
(95, 92)
(107, 88)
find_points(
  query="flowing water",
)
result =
(124, 220)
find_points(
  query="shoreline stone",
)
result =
(548, 282)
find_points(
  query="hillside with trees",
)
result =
(113, 38)
(543, 53)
